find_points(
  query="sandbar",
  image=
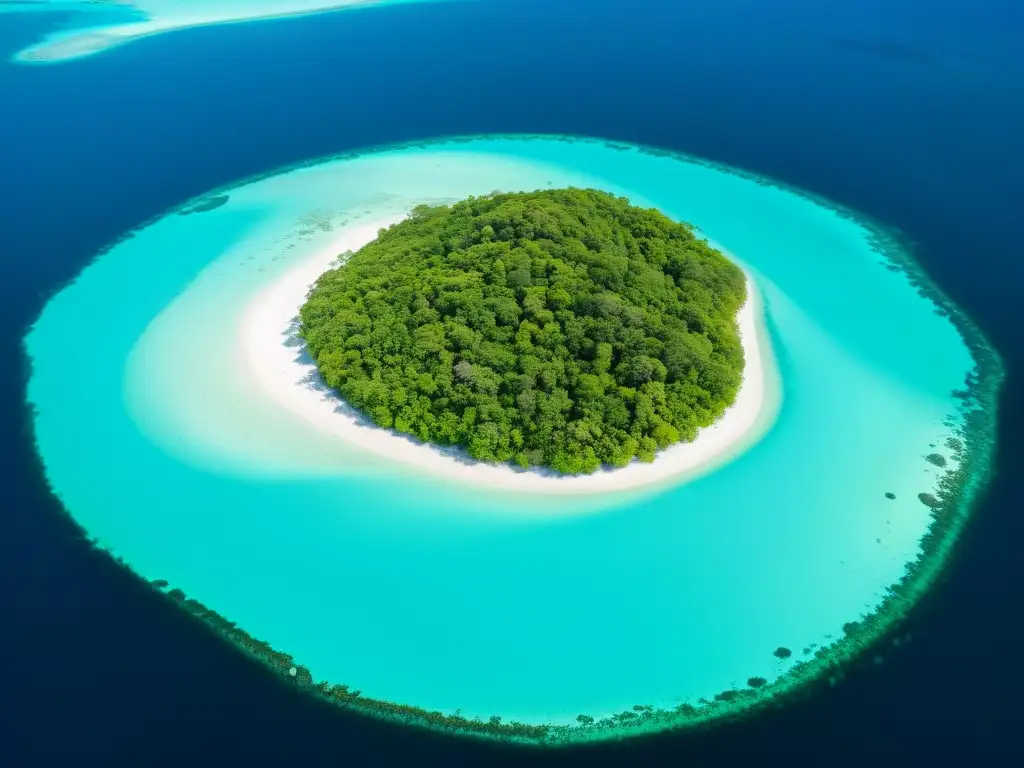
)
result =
(286, 375)
(157, 16)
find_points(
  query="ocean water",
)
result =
(894, 359)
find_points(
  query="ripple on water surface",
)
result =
(533, 608)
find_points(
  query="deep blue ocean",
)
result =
(911, 112)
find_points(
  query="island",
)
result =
(559, 328)
(265, 490)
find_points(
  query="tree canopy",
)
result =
(561, 328)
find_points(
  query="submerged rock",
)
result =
(209, 204)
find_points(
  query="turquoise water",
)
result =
(96, 26)
(418, 591)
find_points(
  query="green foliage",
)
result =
(563, 328)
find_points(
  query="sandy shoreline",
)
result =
(280, 366)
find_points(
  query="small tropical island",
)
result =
(246, 457)
(563, 329)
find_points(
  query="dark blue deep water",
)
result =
(909, 111)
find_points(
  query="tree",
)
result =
(561, 327)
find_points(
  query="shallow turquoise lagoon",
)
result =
(94, 26)
(535, 608)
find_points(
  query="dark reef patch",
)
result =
(205, 204)
(888, 50)
(640, 718)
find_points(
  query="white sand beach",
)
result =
(157, 16)
(285, 373)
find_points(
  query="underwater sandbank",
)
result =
(289, 376)
(497, 611)
(97, 26)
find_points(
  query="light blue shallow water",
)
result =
(419, 591)
(94, 26)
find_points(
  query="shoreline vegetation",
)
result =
(560, 329)
(972, 426)
(287, 374)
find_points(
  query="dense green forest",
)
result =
(563, 328)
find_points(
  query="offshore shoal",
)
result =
(99, 27)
